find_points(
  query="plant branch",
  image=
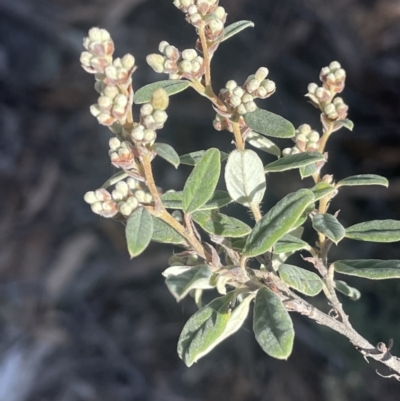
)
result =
(206, 54)
(238, 135)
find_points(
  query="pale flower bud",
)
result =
(128, 61)
(90, 197)
(156, 62)
(122, 188)
(261, 73)
(114, 143)
(160, 99)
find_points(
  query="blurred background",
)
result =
(79, 321)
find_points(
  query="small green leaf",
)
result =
(202, 181)
(168, 153)
(203, 330)
(290, 243)
(138, 231)
(220, 224)
(375, 231)
(115, 178)
(329, 226)
(363, 179)
(263, 143)
(302, 280)
(293, 161)
(182, 279)
(171, 86)
(235, 28)
(266, 123)
(373, 269)
(277, 222)
(272, 325)
(346, 123)
(165, 234)
(244, 177)
(345, 289)
(192, 158)
(308, 171)
(173, 200)
(322, 189)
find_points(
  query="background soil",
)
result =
(79, 321)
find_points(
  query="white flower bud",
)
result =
(250, 106)
(132, 202)
(104, 102)
(313, 136)
(216, 25)
(160, 116)
(311, 88)
(304, 129)
(148, 198)
(231, 85)
(156, 62)
(340, 74)
(140, 195)
(137, 133)
(196, 66)
(262, 92)
(111, 72)
(192, 8)
(195, 18)
(148, 121)
(171, 52)
(146, 109)
(247, 98)
(124, 208)
(128, 61)
(85, 58)
(120, 100)
(242, 109)
(149, 135)
(325, 71)
(238, 91)
(185, 66)
(132, 183)
(295, 150)
(117, 196)
(97, 207)
(330, 109)
(220, 13)
(269, 85)
(189, 54)
(95, 110)
(105, 119)
(301, 138)
(110, 91)
(286, 151)
(334, 65)
(330, 78)
(95, 34)
(162, 46)
(261, 74)
(90, 197)
(253, 85)
(122, 188)
(114, 143)
(235, 101)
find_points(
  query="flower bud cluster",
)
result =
(187, 64)
(124, 199)
(333, 77)
(306, 140)
(122, 154)
(113, 77)
(337, 110)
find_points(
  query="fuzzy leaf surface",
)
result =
(171, 86)
(138, 231)
(269, 124)
(363, 179)
(329, 226)
(220, 224)
(322, 189)
(191, 159)
(263, 143)
(168, 153)
(187, 278)
(235, 28)
(203, 330)
(173, 200)
(373, 269)
(307, 171)
(293, 161)
(345, 289)
(289, 243)
(244, 177)
(165, 234)
(272, 325)
(302, 280)
(375, 231)
(201, 183)
(277, 222)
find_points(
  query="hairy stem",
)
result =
(206, 54)
(238, 135)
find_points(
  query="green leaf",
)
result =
(373, 269)
(168, 153)
(307, 171)
(180, 280)
(290, 243)
(272, 325)
(173, 200)
(138, 231)
(115, 178)
(202, 181)
(345, 289)
(165, 234)
(263, 143)
(235, 28)
(171, 86)
(363, 179)
(220, 224)
(293, 161)
(202, 331)
(322, 189)
(192, 158)
(277, 222)
(266, 123)
(302, 280)
(329, 226)
(346, 123)
(375, 231)
(244, 177)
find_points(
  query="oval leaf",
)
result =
(308, 171)
(220, 224)
(277, 222)
(293, 161)
(302, 280)
(363, 179)
(322, 189)
(202, 181)
(329, 226)
(373, 269)
(168, 153)
(244, 177)
(266, 123)
(290, 243)
(375, 231)
(272, 325)
(202, 331)
(263, 143)
(171, 86)
(189, 278)
(345, 289)
(115, 178)
(173, 200)
(138, 231)
(165, 234)
(192, 158)
(235, 28)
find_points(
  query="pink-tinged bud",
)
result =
(172, 52)
(111, 72)
(105, 119)
(102, 194)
